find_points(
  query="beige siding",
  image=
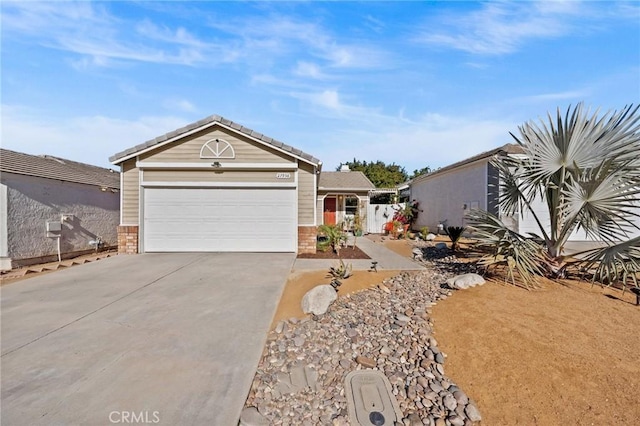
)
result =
(306, 194)
(130, 192)
(319, 211)
(263, 176)
(187, 150)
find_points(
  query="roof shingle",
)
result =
(504, 149)
(345, 180)
(50, 167)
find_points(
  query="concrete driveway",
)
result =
(155, 338)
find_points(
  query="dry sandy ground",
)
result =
(566, 354)
(300, 282)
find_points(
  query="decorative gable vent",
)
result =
(217, 148)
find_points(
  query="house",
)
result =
(447, 194)
(52, 208)
(342, 195)
(215, 185)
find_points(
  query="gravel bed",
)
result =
(300, 377)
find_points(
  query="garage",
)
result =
(219, 220)
(217, 186)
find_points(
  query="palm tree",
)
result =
(587, 170)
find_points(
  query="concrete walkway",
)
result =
(386, 258)
(173, 339)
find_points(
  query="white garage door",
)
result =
(220, 219)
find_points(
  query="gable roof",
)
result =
(50, 167)
(209, 122)
(353, 180)
(509, 148)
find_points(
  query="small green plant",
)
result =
(341, 271)
(424, 231)
(338, 273)
(334, 237)
(454, 233)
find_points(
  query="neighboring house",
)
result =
(342, 195)
(52, 207)
(447, 194)
(215, 185)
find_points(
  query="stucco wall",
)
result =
(444, 195)
(32, 201)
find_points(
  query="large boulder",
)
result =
(465, 281)
(318, 299)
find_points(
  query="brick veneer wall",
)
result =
(128, 239)
(307, 239)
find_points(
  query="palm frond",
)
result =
(619, 263)
(520, 254)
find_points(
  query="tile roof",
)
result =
(206, 122)
(509, 148)
(47, 166)
(345, 180)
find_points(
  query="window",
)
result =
(351, 206)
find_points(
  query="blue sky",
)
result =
(415, 83)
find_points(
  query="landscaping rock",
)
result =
(465, 281)
(318, 299)
(430, 237)
(251, 417)
(472, 413)
(441, 246)
(389, 330)
(366, 362)
(417, 253)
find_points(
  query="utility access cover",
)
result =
(370, 400)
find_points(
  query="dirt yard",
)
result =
(299, 283)
(566, 354)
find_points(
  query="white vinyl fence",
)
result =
(379, 214)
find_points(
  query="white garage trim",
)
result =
(220, 165)
(220, 184)
(219, 219)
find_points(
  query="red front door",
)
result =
(330, 211)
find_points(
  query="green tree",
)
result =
(420, 172)
(587, 170)
(380, 174)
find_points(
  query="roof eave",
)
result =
(320, 188)
(146, 147)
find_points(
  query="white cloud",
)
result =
(329, 103)
(280, 35)
(89, 30)
(434, 141)
(503, 27)
(309, 69)
(88, 139)
(181, 105)
(577, 95)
